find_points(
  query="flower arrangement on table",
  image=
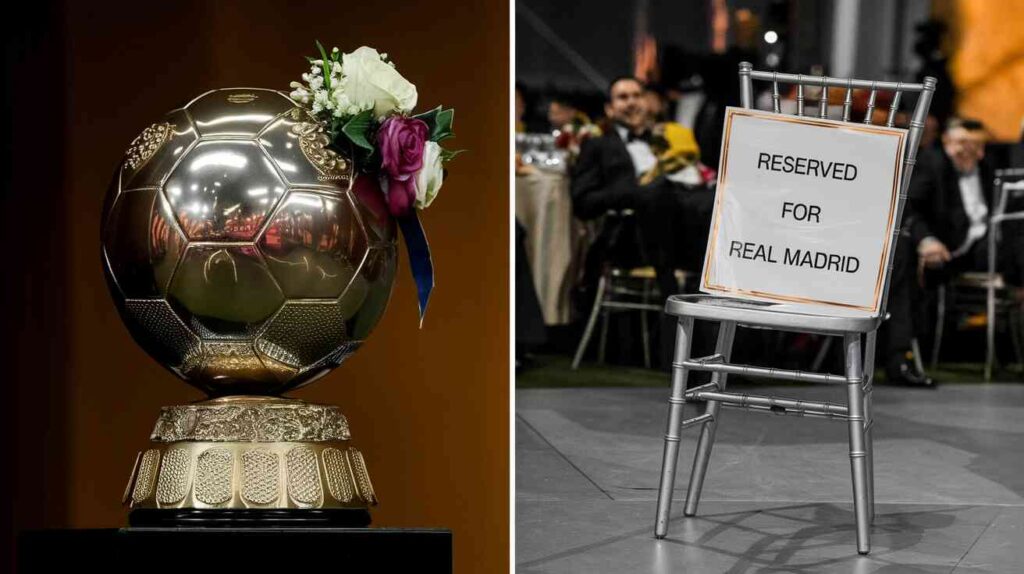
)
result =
(572, 135)
(366, 105)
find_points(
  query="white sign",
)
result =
(804, 210)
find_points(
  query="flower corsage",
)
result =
(366, 105)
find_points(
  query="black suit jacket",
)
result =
(1017, 155)
(934, 205)
(603, 177)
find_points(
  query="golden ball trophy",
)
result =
(249, 257)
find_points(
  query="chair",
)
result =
(1007, 182)
(986, 292)
(625, 284)
(730, 312)
(619, 290)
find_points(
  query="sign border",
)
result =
(721, 189)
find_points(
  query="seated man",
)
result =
(948, 201)
(651, 169)
(946, 224)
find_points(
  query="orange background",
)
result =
(429, 408)
(988, 64)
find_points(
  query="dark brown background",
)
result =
(428, 407)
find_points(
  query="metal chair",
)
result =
(619, 290)
(730, 312)
(973, 295)
(1007, 182)
(986, 292)
(626, 284)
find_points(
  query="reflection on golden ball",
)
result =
(243, 254)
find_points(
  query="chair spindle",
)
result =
(895, 106)
(800, 96)
(823, 102)
(775, 94)
(848, 101)
(871, 104)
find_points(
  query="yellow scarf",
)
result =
(675, 147)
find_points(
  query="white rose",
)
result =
(428, 180)
(372, 82)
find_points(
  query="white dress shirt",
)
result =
(976, 209)
(639, 151)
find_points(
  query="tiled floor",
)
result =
(949, 485)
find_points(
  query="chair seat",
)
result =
(979, 280)
(783, 316)
(635, 273)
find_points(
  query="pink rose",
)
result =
(401, 142)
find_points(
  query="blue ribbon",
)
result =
(420, 262)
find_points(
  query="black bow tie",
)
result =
(644, 136)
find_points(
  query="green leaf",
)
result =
(356, 129)
(323, 61)
(443, 127)
(449, 154)
(429, 118)
(439, 123)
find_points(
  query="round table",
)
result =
(554, 239)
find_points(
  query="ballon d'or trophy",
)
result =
(248, 258)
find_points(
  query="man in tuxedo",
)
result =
(672, 217)
(606, 173)
(949, 200)
(945, 226)
(950, 205)
(670, 224)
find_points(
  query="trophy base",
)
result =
(249, 517)
(239, 550)
(250, 461)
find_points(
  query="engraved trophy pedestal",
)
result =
(250, 461)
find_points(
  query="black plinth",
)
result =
(190, 550)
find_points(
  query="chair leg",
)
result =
(726, 331)
(602, 343)
(645, 334)
(915, 349)
(858, 462)
(684, 335)
(940, 324)
(1013, 319)
(869, 418)
(646, 339)
(588, 332)
(990, 327)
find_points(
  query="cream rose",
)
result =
(428, 180)
(370, 82)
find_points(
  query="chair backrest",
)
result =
(623, 244)
(1007, 214)
(925, 90)
(1008, 198)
